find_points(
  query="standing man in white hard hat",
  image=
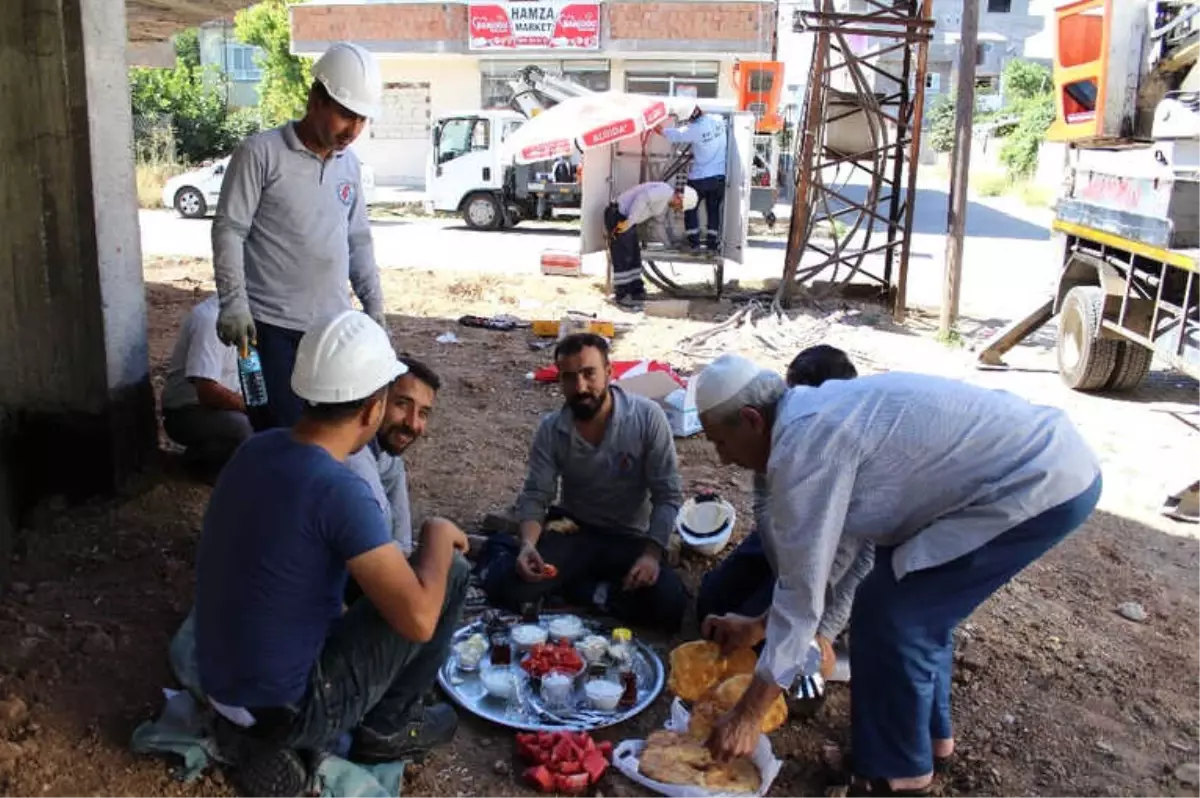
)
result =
(647, 204)
(288, 522)
(291, 225)
(959, 487)
(706, 175)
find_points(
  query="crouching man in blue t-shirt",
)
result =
(280, 659)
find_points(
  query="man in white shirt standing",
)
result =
(291, 233)
(642, 204)
(959, 488)
(708, 138)
(203, 408)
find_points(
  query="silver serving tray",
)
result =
(527, 712)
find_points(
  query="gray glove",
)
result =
(810, 684)
(235, 326)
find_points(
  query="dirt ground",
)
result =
(1055, 693)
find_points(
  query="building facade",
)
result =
(444, 57)
(237, 62)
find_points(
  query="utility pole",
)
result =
(960, 161)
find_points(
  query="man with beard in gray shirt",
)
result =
(609, 458)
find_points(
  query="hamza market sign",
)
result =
(534, 25)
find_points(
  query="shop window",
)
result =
(673, 78)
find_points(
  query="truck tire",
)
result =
(1132, 366)
(1085, 361)
(482, 211)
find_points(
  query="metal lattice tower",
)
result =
(861, 122)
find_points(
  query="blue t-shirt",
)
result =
(271, 569)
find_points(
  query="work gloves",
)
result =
(235, 327)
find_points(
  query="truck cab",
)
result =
(467, 174)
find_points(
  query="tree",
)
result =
(283, 90)
(1024, 80)
(941, 123)
(193, 101)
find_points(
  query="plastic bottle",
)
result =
(254, 385)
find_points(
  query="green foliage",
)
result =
(1019, 153)
(283, 90)
(989, 184)
(192, 102)
(1024, 80)
(941, 123)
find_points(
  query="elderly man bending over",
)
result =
(613, 455)
(959, 487)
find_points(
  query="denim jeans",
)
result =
(277, 352)
(902, 639)
(711, 192)
(742, 583)
(369, 674)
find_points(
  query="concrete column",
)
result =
(75, 398)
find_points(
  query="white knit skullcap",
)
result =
(721, 380)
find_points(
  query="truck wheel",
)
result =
(483, 212)
(1085, 362)
(1133, 364)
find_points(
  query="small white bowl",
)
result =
(603, 694)
(499, 682)
(556, 688)
(527, 635)
(592, 648)
(568, 627)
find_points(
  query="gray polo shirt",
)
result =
(388, 479)
(629, 484)
(291, 229)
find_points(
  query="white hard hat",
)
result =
(705, 523)
(351, 76)
(690, 198)
(346, 358)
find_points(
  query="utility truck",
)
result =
(469, 175)
(1126, 226)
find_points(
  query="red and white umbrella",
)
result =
(581, 123)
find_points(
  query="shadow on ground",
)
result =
(1047, 670)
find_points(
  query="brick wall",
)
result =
(691, 22)
(417, 22)
(685, 25)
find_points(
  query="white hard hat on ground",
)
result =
(351, 76)
(344, 359)
(705, 523)
(690, 198)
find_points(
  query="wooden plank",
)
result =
(1013, 333)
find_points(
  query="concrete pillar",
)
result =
(75, 398)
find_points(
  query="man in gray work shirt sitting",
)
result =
(291, 228)
(613, 456)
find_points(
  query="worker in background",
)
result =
(291, 224)
(646, 203)
(281, 662)
(706, 175)
(203, 408)
(744, 582)
(959, 487)
(613, 456)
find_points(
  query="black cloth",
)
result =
(710, 191)
(626, 252)
(585, 560)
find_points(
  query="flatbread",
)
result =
(673, 758)
(697, 666)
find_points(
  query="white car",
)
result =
(193, 194)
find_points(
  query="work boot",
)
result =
(260, 767)
(412, 741)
